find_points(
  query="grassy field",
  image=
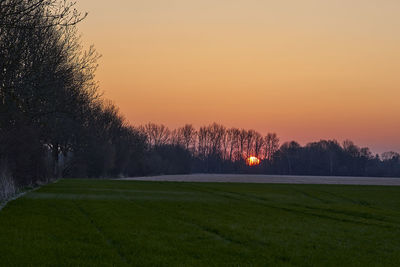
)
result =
(104, 222)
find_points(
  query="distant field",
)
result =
(109, 222)
(270, 179)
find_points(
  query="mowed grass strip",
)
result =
(125, 223)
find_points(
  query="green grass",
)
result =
(105, 222)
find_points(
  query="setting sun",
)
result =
(252, 161)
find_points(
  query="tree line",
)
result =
(54, 122)
(217, 149)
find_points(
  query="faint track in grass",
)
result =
(215, 233)
(209, 230)
(312, 197)
(264, 202)
(110, 242)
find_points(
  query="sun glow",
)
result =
(252, 161)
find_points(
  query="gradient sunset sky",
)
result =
(307, 70)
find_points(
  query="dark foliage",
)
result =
(52, 121)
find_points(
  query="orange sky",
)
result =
(306, 70)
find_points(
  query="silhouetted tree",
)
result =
(271, 146)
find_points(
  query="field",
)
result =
(110, 222)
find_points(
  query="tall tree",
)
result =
(271, 146)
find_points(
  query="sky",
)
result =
(307, 70)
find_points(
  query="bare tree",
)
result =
(23, 13)
(258, 144)
(350, 148)
(390, 155)
(271, 145)
(233, 141)
(175, 138)
(216, 133)
(242, 143)
(250, 142)
(46, 79)
(187, 136)
(157, 134)
(203, 142)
